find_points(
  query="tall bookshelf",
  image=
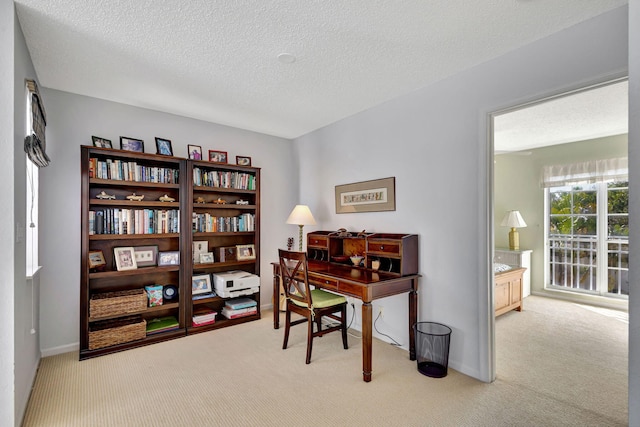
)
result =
(166, 225)
(224, 208)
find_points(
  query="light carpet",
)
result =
(558, 364)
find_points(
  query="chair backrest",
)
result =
(295, 277)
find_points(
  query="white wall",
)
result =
(435, 142)
(27, 345)
(634, 212)
(73, 119)
(517, 186)
(7, 223)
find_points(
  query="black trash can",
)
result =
(432, 348)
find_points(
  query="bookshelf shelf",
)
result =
(155, 309)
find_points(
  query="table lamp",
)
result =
(301, 216)
(514, 220)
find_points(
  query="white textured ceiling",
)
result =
(217, 60)
(594, 113)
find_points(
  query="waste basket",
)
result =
(432, 348)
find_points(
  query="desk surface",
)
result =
(353, 274)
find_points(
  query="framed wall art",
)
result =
(368, 196)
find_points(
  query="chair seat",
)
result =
(322, 299)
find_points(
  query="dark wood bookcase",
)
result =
(155, 176)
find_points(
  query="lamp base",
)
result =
(514, 240)
(300, 236)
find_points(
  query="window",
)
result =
(588, 237)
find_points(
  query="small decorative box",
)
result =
(154, 294)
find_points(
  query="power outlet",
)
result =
(381, 312)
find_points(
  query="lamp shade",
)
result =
(513, 219)
(301, 215)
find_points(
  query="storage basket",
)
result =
(110, 332)
(116, 303)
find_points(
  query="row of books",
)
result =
(204, 316)
(224, 179)
(239, 307)
(208, 223)
(131, 171)
(134, 221)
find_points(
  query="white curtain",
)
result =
(590, 172)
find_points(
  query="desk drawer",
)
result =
(350, 289)
(317, 242)
(383, 247)
(324, 282)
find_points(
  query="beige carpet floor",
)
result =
(558, 364)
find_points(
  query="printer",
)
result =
(235, 283)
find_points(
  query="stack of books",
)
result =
(204, 316)
(239, 307)
(161, 324)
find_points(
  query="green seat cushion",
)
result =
(322, 299)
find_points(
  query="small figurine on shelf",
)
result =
(242, 202)
(200, 200)
(135, 198)
(220, 201)
(105, 196)
(342, 232)
(289, 243)
(362, 234)
(166, 198)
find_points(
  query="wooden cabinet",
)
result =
(520, 258)
(508, 291)
(392, 253)
(224, 205)
(109, 221)
(149, 205)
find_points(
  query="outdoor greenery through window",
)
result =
(588, 237)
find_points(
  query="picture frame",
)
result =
(131, 144)
(195, 152)
(245, 252)
(377, 195)
(146, 256)
(206, 258)
(125, 258)
(163, 147)
(96, 259)
(101, 142)
(199, 247)
(243, 161)
(169, 258)
(200, 284)
(217, 156)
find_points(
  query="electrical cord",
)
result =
(394, 343)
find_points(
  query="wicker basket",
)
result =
(116, 331)
(116, 303)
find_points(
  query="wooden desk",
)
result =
(364, 284)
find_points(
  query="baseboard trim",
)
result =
(54, 351)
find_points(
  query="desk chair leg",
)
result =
(287, 326)
(309, 339)
(344, 327)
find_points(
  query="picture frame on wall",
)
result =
(195, 152)
(163, 147)
(217, 156)
(243, 161)
(200, 284)
(367, 196)
(131, 144)
(125, 258)
(101, 142)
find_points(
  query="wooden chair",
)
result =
(312, 304)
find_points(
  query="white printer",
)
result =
(235, 283)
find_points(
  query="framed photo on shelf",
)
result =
(243, 161)
(131, 144)
(195, 152)
(169, 258)
(146, 256)
(206, 258)
(200, 284)
(164, 147)
(125, 258)
(101, 142)
(217, 156)
(96, 259)
(245, 252)
(199, 247)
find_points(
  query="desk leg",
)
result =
(366, 340)
(276, 300)
(413, 318)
